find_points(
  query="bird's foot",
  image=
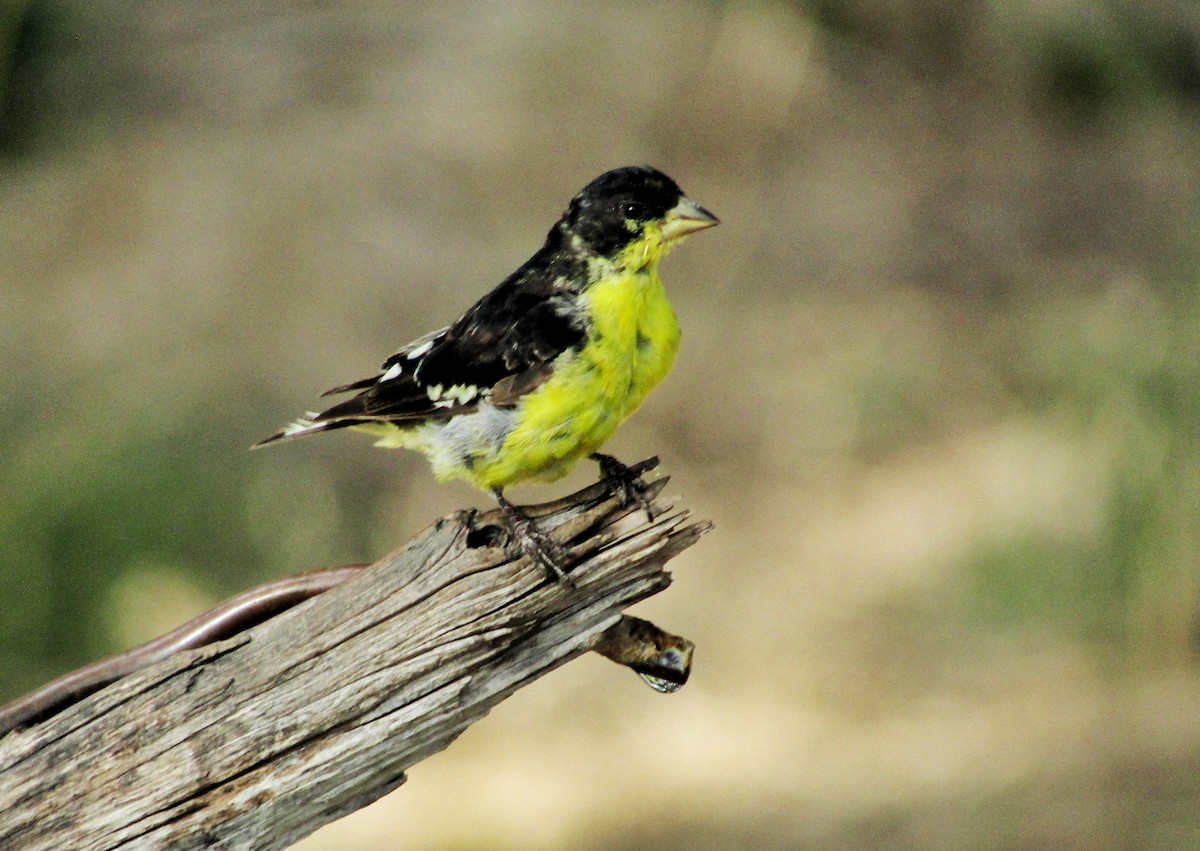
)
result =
(535, 543)
(626, 482)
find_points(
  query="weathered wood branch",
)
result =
(257, 740)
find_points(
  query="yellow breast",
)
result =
(632, 343)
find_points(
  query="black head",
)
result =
(615, 207)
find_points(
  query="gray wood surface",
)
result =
(258, 740)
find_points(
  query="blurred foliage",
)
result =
(1086, 56)
(26, 50)
(1128, 370)
(79, 516)
(1092, 65)
(89, 510)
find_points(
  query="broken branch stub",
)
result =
(257, 740)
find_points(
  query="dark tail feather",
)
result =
(302, 428)
(361, 384)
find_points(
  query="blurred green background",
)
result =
(939, 385)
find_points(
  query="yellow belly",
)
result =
(632, 344)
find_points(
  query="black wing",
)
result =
(500, 349)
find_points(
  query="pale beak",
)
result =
(686, 217)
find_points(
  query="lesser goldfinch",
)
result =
(541, 370)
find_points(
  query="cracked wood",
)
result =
(258, 740)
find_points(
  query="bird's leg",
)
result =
(622, 480)
(533, 541)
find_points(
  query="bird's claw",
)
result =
(542, 549)
(535, 543)
(626, 482)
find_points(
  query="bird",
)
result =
(541, 371)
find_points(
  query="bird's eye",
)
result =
(632, 210)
